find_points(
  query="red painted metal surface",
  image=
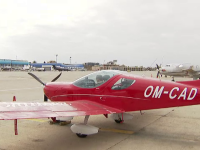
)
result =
(145, 93)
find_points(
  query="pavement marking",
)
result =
(100, 129)
(116, 130)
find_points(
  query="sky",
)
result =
(133, 32)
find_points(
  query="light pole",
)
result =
(56, 57)
(70, 60)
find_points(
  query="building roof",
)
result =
(13, 62)
(39, 65)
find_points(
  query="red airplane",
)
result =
(103, 92)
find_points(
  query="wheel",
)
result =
(81, 135)
(119, 121)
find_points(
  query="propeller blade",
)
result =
(45, 98)
(158, 74)
(157, 66)
(35, 77)
(56, 77)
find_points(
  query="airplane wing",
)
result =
(20, 110)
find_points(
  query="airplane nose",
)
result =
(50, 89)
(55, 88)
(46, 91)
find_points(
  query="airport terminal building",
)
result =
(8, 64)
(48, 66)
(16, 64)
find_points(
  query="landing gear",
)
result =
(120, 118)
(119, 121)
(81, 135)
(82, 130)
(61, 121)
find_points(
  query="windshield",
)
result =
(95, 79)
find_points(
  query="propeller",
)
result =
(158, 68)
(35, 77)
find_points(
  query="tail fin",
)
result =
(54, 67)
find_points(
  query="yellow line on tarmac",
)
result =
(117, 131)
(100, 129)
(38, 120)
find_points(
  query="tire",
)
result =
(81, 135)
(119, 121)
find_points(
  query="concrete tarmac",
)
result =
(163, 129)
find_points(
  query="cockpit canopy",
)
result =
(95, 79)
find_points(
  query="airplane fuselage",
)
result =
(144, 94)
(175, 74)
(181, 70)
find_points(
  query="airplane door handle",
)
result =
(101, 98)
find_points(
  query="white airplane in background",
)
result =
(179, 70)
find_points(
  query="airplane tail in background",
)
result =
(54, 67)
(60, 69)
